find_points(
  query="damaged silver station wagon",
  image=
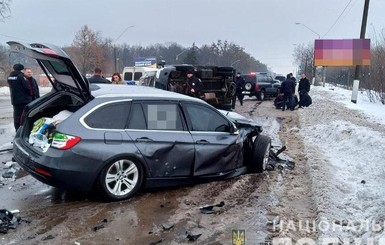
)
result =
(117, 139)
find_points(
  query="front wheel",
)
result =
(121, 179)
(261, 152)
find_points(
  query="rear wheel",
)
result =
(261, 152)
(121, 179)
(261, 95)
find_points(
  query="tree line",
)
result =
(89, 50)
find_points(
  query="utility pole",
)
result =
(362, 35)
(115, 52)
(358, 68)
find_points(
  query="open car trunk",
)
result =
(44, 114)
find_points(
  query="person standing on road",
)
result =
(288, 89)
(193, 85)
(303, 90)
(293, 78)
(23, 89)
(239, 83)
(97, 77)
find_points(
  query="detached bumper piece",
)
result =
(7, 221)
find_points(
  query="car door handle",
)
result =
(143, 139)
(203, 142)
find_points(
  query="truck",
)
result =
(218, 82)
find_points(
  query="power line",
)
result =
(343, 11)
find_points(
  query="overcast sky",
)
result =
(265, 28)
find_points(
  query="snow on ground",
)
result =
(7, 130)
(345, 147)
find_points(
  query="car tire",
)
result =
(260, 154)
(248, 86)
(121, 179)
(261, 95)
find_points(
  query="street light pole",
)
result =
(314, 67)
(115, 52)
(177, 56)
(298, 23)
(234, 62)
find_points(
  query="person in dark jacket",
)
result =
(288, 89)
(239, 83)
(193, 85)
(22, 92)
(97, 77)
(303, 90)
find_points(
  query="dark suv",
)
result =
(260, 84)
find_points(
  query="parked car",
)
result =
(118, 139)
(280, 78)
(259, 84)
(218, 82)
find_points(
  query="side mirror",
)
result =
(234, 130)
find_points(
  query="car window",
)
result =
(110, 116)
(128, 76)
(249, 78)
(137, 75)
(156, 116)
(137, 119)
(206, 119)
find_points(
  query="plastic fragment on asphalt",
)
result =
(209, 209)
(167, 227)
(157, 242)
(100, 225)
(49, 237)
(7, 220)
(193, 238)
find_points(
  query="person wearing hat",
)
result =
(239, 83)
(193, 85)
(20, 91)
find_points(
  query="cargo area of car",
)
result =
(41, 121)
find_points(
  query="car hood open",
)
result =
(57, 66)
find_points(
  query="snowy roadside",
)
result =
(345, 147)
(7, 130)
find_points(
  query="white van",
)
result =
(133, 74)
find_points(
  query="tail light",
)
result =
(256, 87)
(63, 141)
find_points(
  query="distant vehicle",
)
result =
(133, 74)
(260, 84)
(218, 82)
(118, 139)
(280, 78)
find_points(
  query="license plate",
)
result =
(245, 92)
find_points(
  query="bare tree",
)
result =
(87, 50)
(5, 9)
(303, 57)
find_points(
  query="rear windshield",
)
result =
(128, 76)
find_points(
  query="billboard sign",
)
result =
(145, 61)
(342, 52)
